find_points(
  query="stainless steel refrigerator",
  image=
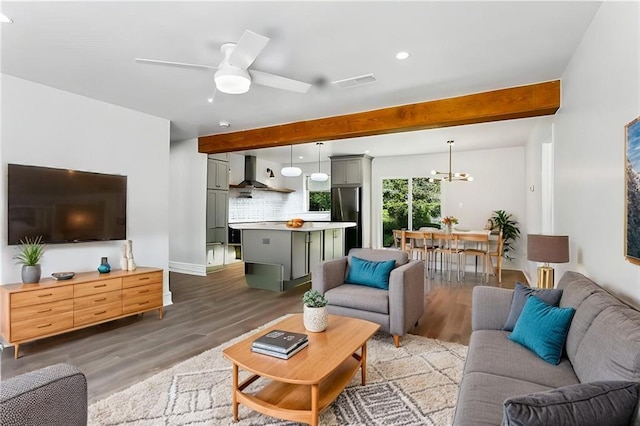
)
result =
(345, 207)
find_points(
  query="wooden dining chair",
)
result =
(476, 245)
(449, 248)
(497, 253)
(416, 245)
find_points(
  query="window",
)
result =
(409, 204)
(318, 195)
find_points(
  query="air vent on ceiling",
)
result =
(355, 81)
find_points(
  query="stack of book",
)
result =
(280, 344)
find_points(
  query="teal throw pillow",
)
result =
(370, 273)
(543, 329)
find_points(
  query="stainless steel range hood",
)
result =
(250, 177)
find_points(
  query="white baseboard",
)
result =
(188, 268)
(167, 299)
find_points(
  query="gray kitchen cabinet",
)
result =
(346, 171)
(315, 249)
(217, 174)
(217, 215)
(333, 243)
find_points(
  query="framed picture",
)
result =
(632, 193)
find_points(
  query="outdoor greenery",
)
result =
(633, 212)
(30, 251)
(503, 221)
(319, 201)
(313, 299)
(395, 210)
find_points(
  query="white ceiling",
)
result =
(456, 48)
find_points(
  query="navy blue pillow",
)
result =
(543, 329)
(370, 273)
(520, 295)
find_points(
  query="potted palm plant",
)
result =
(29, 256)
(503, 221)
(315, 316)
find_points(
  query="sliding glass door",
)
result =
(409, 204)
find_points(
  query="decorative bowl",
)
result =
(63, 275)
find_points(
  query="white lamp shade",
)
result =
(232, 81)
(291, 171)
(319, 177)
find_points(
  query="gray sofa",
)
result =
(55, 395)
(396, 310)
(603, 344)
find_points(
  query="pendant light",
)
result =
(450, 176)
(319, 176)
(291, 171)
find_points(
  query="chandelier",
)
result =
(449, 176)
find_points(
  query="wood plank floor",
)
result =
(208, 311)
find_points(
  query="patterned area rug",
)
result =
(416, 384)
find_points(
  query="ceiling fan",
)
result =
(233, 75)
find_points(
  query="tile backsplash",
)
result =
(263, 205)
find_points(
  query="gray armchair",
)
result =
(397, 310)
(55, 395)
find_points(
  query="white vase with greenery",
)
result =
(315, 316)
(29, 255)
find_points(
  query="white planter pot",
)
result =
(315, 319)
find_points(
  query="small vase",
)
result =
(31, 274)
(104, 266)
(448, 228)
(315, 319)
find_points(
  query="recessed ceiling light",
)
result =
(402, 55)
(367, 151)
(223, 123)
(300, 157)
(5, 19)
(210, 100)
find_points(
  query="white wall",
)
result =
(48, 127)
(600, 94)
(188, 208)
(499, 184)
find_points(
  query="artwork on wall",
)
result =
(632, 211)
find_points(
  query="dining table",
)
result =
(427, 243)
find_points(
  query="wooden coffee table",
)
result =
(307, 383)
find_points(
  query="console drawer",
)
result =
(141, 279)
(27, 329)
(99, 299)
(142, 298)
(97, 313)
(96, 287)
(42, 310)
(28, 298)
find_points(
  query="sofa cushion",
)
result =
(585, 404)
(520, 295)
(610, 349)
(370, 273)
(490, 351)
(359, 297)
(543, 329)
(481, 397)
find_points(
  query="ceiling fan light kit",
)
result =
(291, 171)
(450, 176)
(232, 81)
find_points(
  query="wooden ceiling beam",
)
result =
(533, 100)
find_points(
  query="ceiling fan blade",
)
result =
(284, 83)
(247, 50)
(174, 64)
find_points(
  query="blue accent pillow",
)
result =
(520, 295)
(543, 329)
(370, 273)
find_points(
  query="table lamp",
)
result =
(547, 249)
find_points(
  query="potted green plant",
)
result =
(503, 221)
(315, 315)
(29, 255)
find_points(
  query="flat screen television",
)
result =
(65, 206)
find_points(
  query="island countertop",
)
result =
(307, 227)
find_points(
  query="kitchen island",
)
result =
(279, 258)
